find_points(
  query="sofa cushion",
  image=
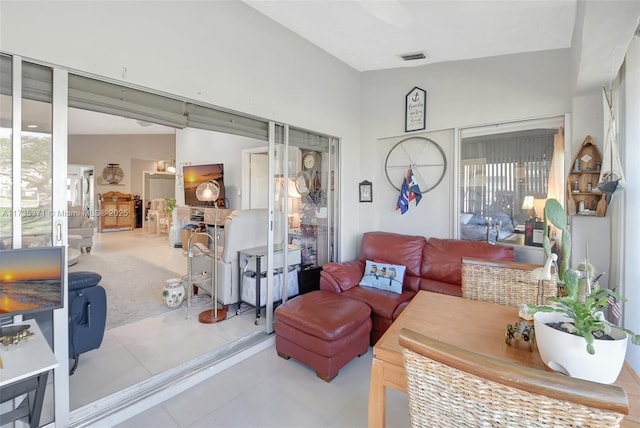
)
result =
(75, 217)
(85, 232)
(382, 303)
(383, 276)
(397, 249)
(442, 258)
(440, 287)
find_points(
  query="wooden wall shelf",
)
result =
(583, 196)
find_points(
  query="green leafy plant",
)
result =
(587, 319)
(169, 205)
(555, 214)
(585, 308)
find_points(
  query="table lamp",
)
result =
(527, 204)
(209, 191)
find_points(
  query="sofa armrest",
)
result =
(83, 279)
(339, 277)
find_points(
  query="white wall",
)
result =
(202, 147)
(226, 54)
(100, 150)
(218, 52)
(459, 94)
(138, 167)
(630, 198)
(159, 186)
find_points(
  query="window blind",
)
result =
(105, 97)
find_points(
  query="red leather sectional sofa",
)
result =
(432, 265)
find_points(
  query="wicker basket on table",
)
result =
(503, 282)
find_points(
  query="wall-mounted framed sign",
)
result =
(366, 191)
(415, 113)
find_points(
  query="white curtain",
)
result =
(556, 172)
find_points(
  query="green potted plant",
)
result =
(169, 205)
(572, 333)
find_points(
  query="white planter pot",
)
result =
(567, 353)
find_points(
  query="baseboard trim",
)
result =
(122, 405)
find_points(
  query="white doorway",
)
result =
(80, 188)
(258, 178)
(157, 185)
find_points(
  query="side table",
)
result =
(309, 278)
(26, 368)
(255, 260)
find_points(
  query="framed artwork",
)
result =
(415, 113)
(366, 191)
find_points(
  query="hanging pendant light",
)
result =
(208, 191)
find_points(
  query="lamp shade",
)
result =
(527, 204)
(291, 189)
(208, 191)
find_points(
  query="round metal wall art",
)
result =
(423, 156)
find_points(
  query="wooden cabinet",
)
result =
(116, 211)
(583, 196)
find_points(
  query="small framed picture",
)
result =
(415, 110)
(366, 191)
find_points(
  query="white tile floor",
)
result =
(261, 391)
(134, 352)
(268, 391)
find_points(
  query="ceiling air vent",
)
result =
(413, 56)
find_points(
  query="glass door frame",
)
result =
(58, 211)
(59, 135)
(281, 170)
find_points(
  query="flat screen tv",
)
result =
(194, 175)
(31, 280)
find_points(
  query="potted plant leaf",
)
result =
(169, 205)
(572, 334)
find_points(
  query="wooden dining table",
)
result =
(469, 324)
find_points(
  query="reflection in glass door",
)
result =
(278, 250)
(313, 210)
(36, 156)
(303, 209)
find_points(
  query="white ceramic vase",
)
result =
(567, 353)
(173, 293)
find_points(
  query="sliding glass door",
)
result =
(302, 209)
(33, 188)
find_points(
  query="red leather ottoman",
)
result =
(323, 330)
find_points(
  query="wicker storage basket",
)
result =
(506, 283)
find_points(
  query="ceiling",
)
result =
(85, 122)
(371, 35)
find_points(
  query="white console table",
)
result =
(25, 370)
